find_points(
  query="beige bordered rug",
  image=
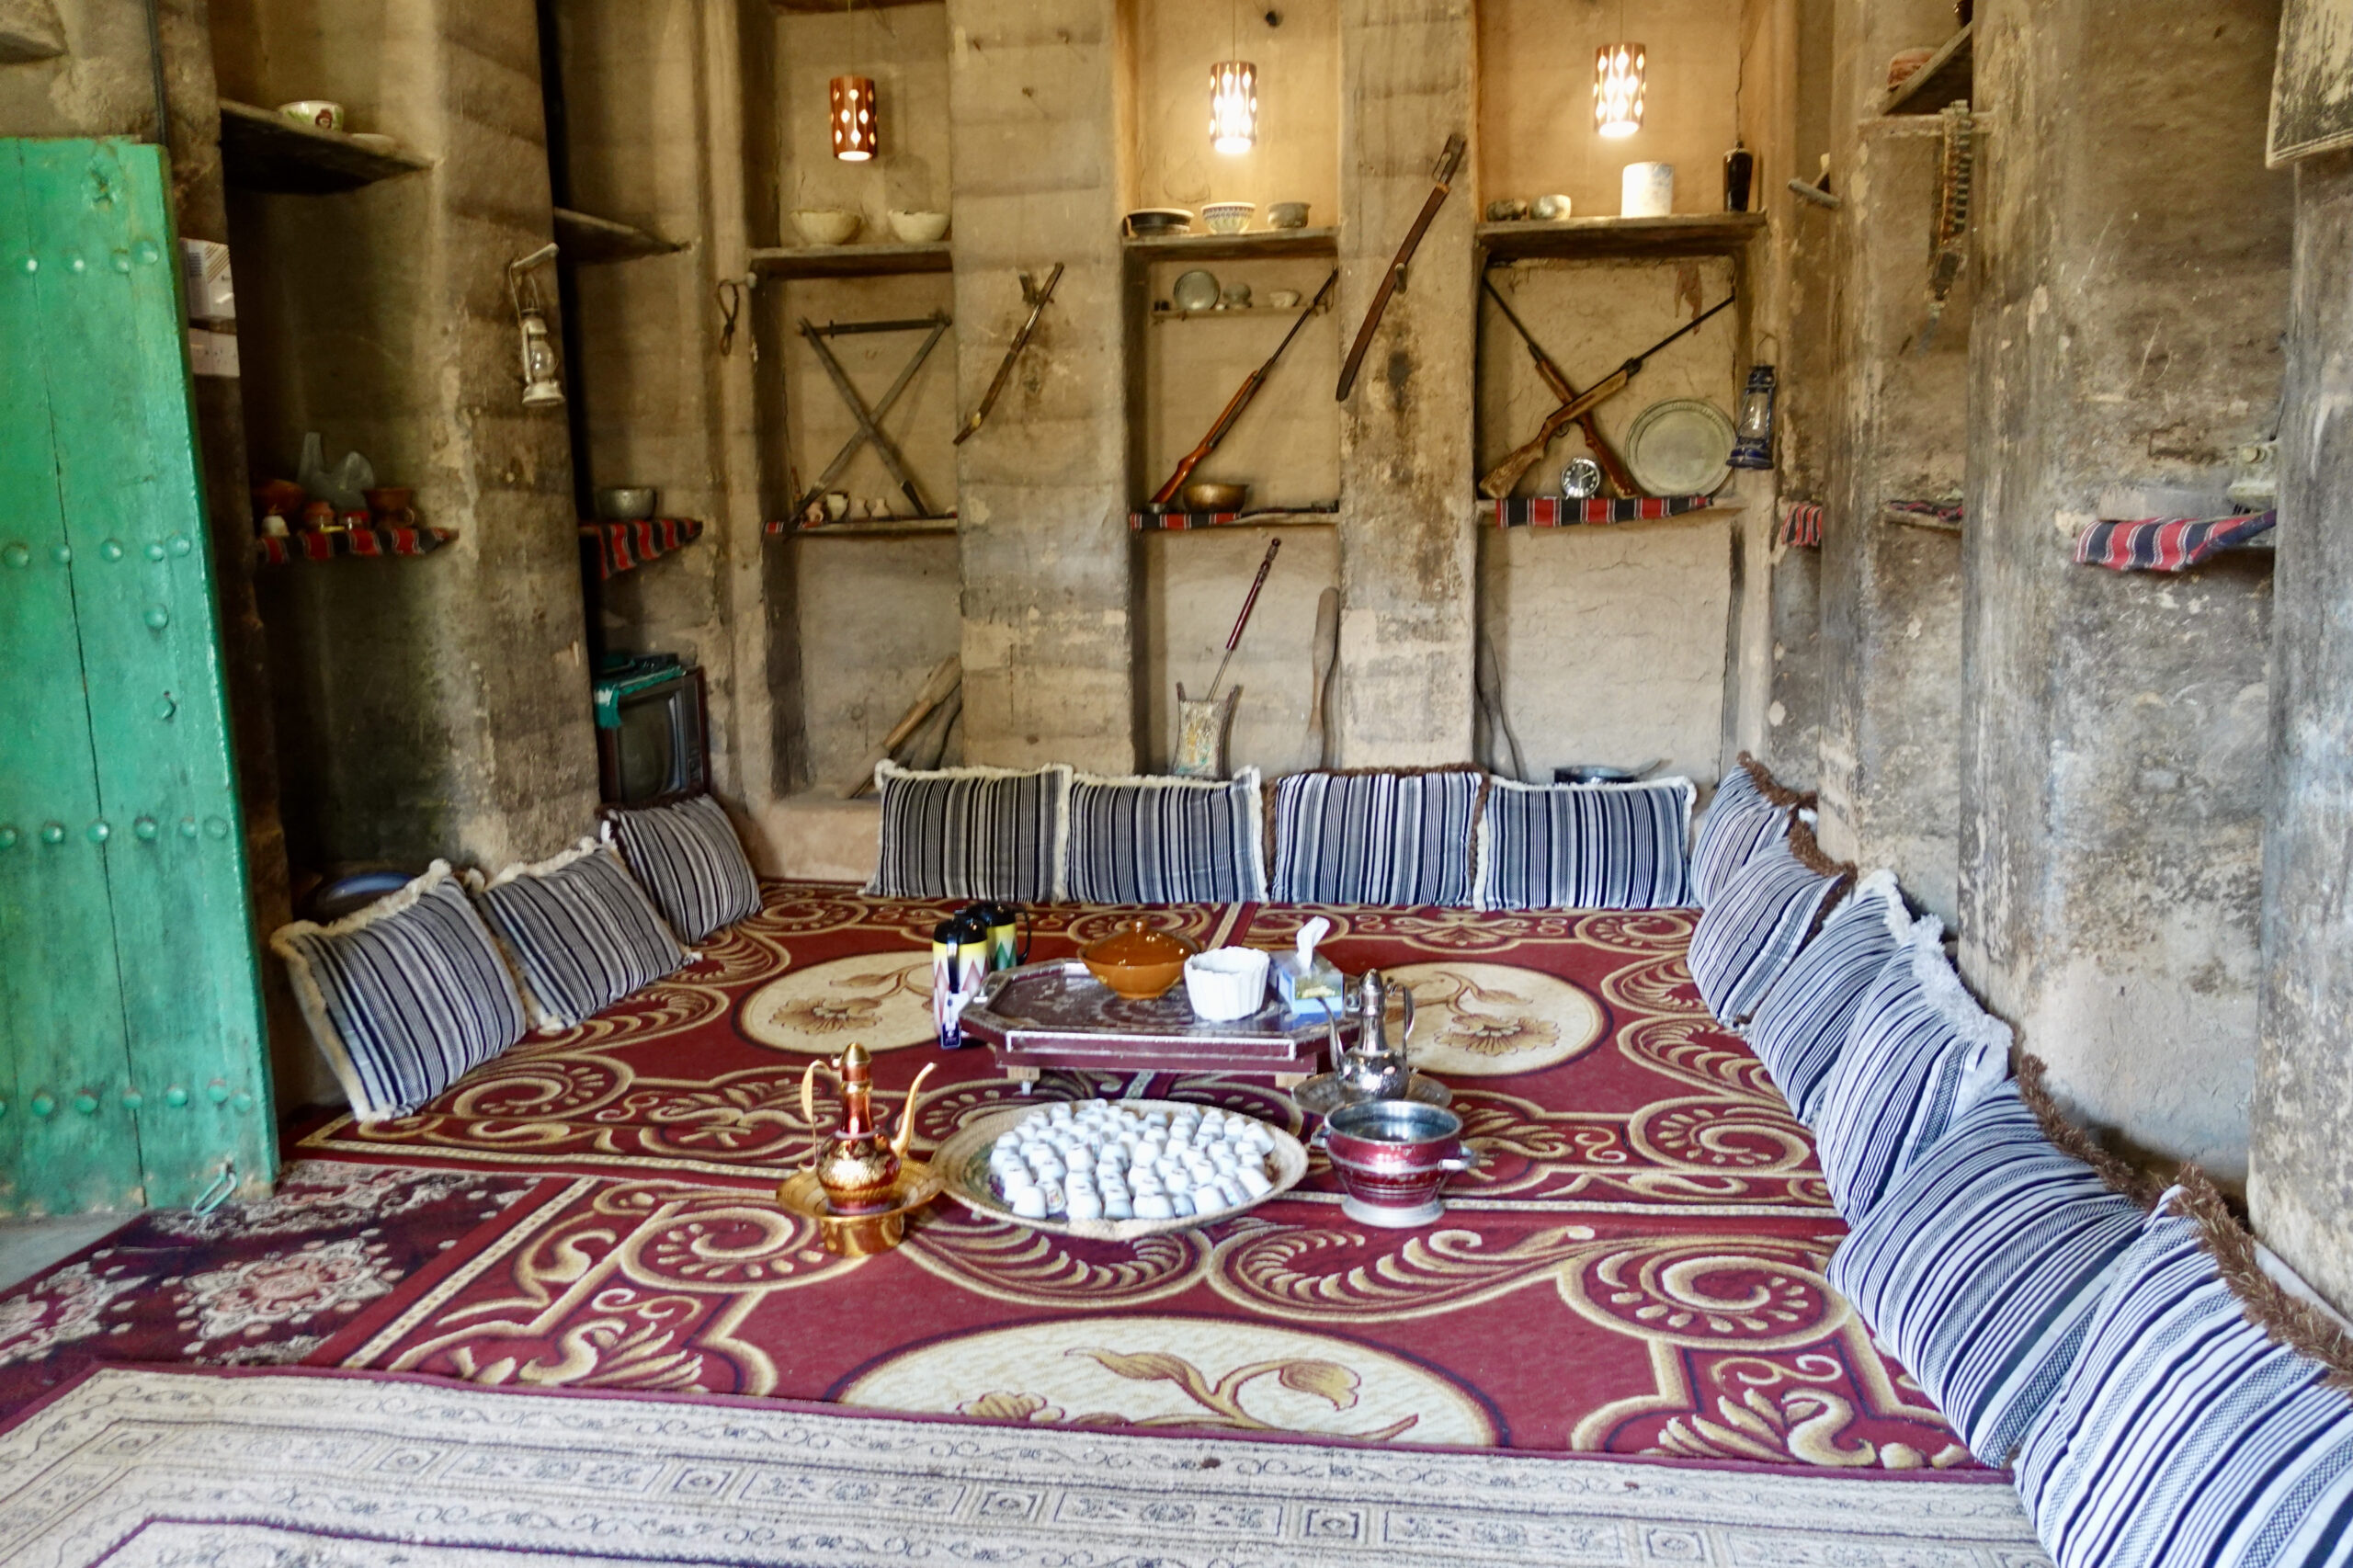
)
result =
(141, 1467)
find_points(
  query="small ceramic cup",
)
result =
(1393, 1158)
(1287, 215)
(1548, 209)
(324, 113)
(1226, 984)
(1507, 210)
(1282, 299)
(1236, 297)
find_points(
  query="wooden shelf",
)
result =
(875, 527)
(1899, 517)
(1950, 73)
(851, 261)
(1251, 246)
(263, 150)
(1693, 233)
(588, 238)
(1243, 313)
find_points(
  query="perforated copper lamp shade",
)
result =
(1618, 72)
(857, 134)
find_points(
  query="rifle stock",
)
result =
(1506, 473)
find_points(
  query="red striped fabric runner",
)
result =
(1553, 512)
(372, 542)
(2165, 544)
(623, 546)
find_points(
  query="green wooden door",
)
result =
(134, 1070)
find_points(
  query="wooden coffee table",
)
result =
(1057, 1014)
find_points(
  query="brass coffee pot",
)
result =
(856, 1165)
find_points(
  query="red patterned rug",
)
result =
(1635, 1268)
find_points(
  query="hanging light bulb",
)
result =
(1233, 105)
(1617, 71)
(857, 137)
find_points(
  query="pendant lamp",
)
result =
(856, 135)
(1618, 72)
(1233, 105)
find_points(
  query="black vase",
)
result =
(1740, 174)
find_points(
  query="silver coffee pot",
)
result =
(1376, 1067)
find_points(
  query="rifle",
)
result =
(1612, 467)
(1505, 474)
(1241, 401)
(970, 427)
(1449, 160)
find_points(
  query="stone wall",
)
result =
(2299, 1180)
(2131, 295)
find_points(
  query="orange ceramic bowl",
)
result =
(1137, 961)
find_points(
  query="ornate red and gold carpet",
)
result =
(1635, 1268)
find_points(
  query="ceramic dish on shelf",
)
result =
(1227, 217)
(961, 1165)
(1680, 446)
(1149, 221)
(917, 228)
(1195, 290)
(825, 225)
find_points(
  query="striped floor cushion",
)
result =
(580, 932)
(1759, 922)
(1382, 838)
(1585, 846)
(1166, 840)
(1749, 812)
(1979, 1268)
(1920, 1054)
(1801, 1025)
(971, 833)
(686, 855)
(2186, 1435)
(404, 996)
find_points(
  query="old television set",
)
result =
(652, 729)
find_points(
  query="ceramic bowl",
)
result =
(1393, 1158)
(323, 114)
(825, 225)
(1159, 221)
(625, 503)
(1234, 297)
(918, 228)
(1195, 290)
(1548, 209)
(1137, 961)
(1287, 215)
(1206, 496)
(1507, 210)
(1227, 217)
(1226, 984)
(1282, 299)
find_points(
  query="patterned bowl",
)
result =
(1227, 217)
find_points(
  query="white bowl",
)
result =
(825, 225)
(918, 228)
(1227, 217)
(1226, 984)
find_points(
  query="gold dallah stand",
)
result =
(860, 1185)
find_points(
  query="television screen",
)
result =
(650, 739)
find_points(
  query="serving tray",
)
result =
(962, 1165)
(1038, 1016)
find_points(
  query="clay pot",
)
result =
(1137, 961)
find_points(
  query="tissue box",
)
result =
(1305, 992)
